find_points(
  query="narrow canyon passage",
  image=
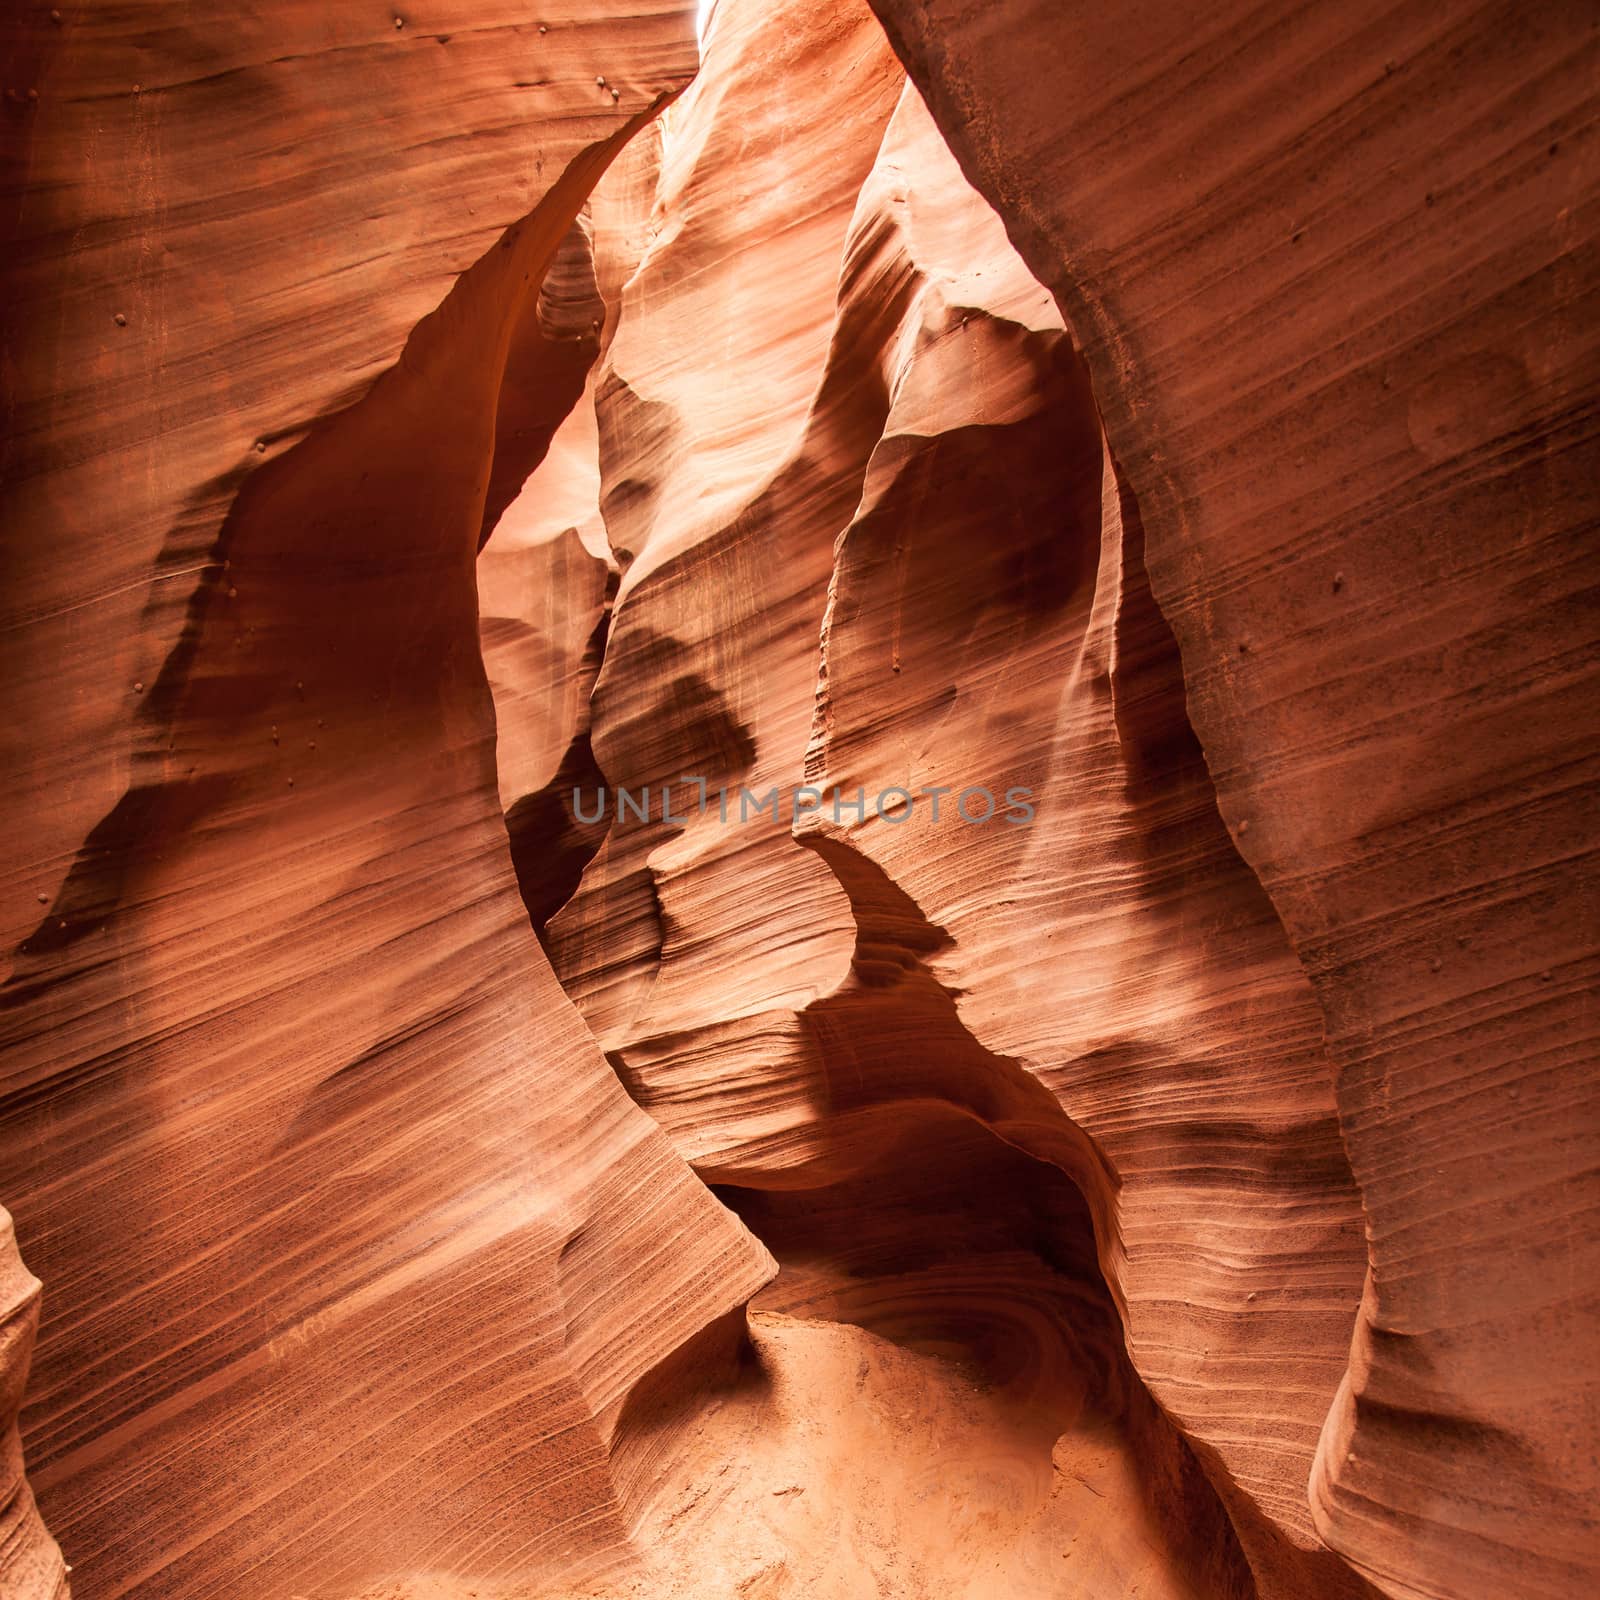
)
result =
(798, 814)
(918, 527)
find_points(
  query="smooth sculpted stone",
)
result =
(1333, 270)
(806, 819)
(915, 565)
(31, 1567)
(222, 226)
(359, 1261)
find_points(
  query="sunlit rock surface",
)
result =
(1333, 269)
(504, 1102)
(30, 1560)
(356, 1253)
(933, 577)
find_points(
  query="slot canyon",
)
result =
(800, 800)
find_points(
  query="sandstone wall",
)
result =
(1333, 269)
(354, 1248)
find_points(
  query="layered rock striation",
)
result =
(1332, 271)
(939, 536)
(820, 832)
(355, 1251)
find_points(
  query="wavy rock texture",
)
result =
(1333, 270)
(1116, 939)
(724, 513)
(545, 584)
(160, 334)
(30, 1561)
(866, 581)
(357, 1255)
(1183, 416)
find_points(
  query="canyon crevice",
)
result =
(496, 1104)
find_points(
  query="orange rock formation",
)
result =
(1334, 282)
(1173, 1177)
